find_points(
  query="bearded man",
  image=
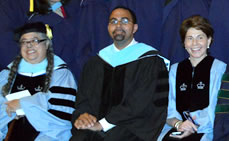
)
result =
(123, 90)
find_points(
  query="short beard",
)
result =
(119, 37)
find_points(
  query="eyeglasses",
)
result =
(123, 21)
(33, 42)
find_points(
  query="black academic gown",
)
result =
(132, 96)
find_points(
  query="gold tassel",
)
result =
(48, 31)
(31, 7)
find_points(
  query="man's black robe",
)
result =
(132, 96)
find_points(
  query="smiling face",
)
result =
(122, 32)
(196, 43)
(32, 51)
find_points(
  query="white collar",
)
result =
(133, 42)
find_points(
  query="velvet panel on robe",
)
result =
(204, 117)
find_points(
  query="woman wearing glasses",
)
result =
(61, 15)
(48, 86)
(194, 85)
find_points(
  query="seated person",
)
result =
(61, 15)
(48, 111)
(194, 84)
(122, 91)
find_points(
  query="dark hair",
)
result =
(31, 27)
(43, 7)
(198, 22)
(134, 18)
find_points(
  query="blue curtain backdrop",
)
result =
(219, 18)
(10, 19)
(92, 34)
(84, 32)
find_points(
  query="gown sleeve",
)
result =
(172, 112)
(4, 118)
(50, 113)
